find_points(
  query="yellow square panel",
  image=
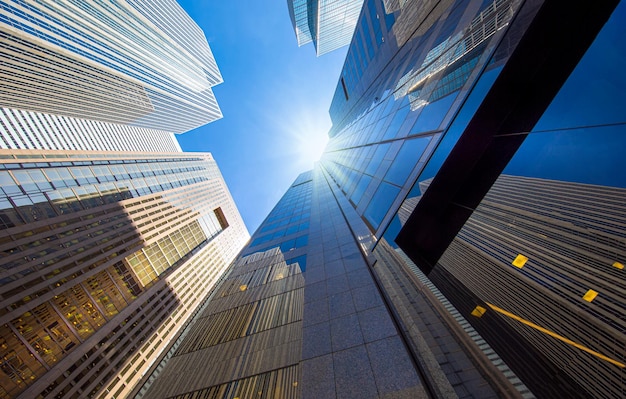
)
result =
(520, 261)
(590, 295)
(618, 265)
(478, 311)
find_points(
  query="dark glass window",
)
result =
(380, 204)
(406, 159)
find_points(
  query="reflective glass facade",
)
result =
(104, 257)
(416, 146)
(329, 24)
(139, 63)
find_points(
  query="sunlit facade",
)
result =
(140, 63)
(21, 129)
(329, 24)
(105, 256)
(297, 308)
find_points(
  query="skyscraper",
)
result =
(105, 255)
(447, 95)
(549, 252)
(105, 76)
(299, 315)
(110, 237)
(329, 24)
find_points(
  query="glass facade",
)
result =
(114, 62)
(285, 305)
(329, 24)
(99, 250)
(524, 266)
(20, 129)
(105, 254)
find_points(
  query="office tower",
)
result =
(117, 76)
(447, 95)
(329, 24)
(299, 315)
(552, 253)
(105, 256)
(21, 129)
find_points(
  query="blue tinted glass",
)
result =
(301, 261)
(291, 230)
(287, 245)
(392, 231)
(432, 115)
(360, 189)
(458, 125)
(389, 21)
(591, 155)
(302, 241)
(365, 33)
(594, 92)
(380, 204)
(374, 163)
(398, 118)
(406, 159)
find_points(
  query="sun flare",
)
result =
(312, 146)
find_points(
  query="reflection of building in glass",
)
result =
(136, 69)
(258, 305)
(329, 24)
(454, 58)
(105, 255)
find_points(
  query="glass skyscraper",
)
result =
(103, 70)
(329, 24)
(459, 237)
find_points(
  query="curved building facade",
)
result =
(139, 63)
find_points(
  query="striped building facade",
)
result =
(549, 253)
(128, 69)
(105, 256)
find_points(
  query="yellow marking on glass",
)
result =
(478, 311)
(618, 265)
(590, 295)
(557, 336)
(520, 261)
(243, 287)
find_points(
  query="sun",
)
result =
(303, 135)
(312, 146)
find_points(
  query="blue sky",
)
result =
(275, 99)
